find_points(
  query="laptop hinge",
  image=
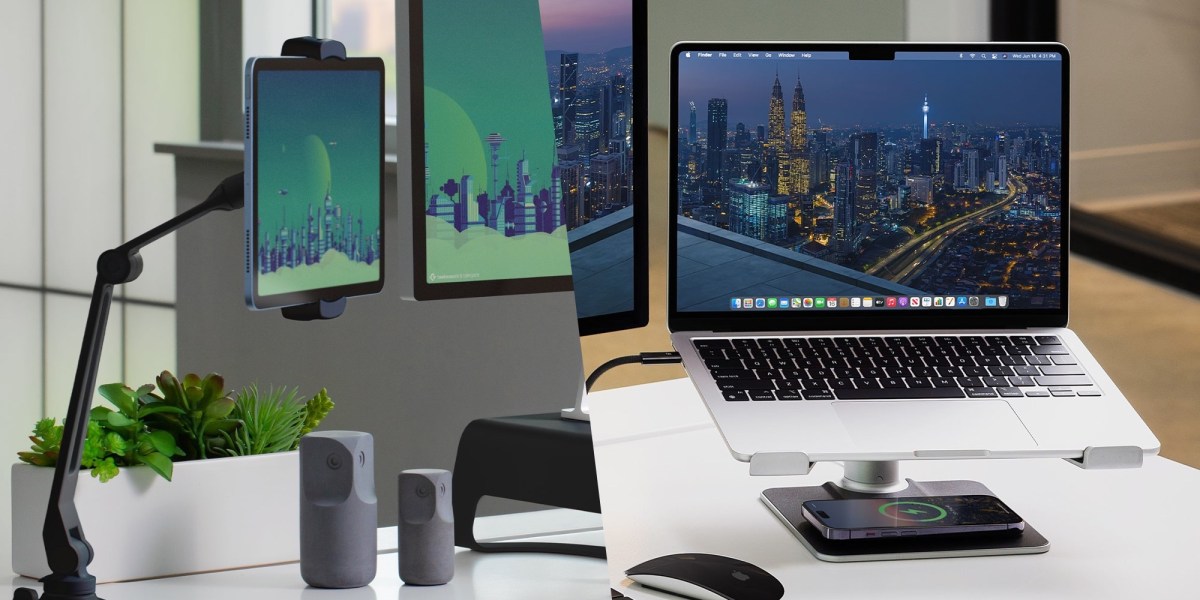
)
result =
(780, 463)
(1109, 457)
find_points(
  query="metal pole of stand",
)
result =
(872, 476)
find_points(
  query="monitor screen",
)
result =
(314, 172)
(528, 153)
(845, 179)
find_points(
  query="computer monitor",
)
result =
(529, 153)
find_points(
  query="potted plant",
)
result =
(185, 478)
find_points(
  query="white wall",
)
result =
(91, 86)
(1135, 123)
(947, 20)
(671, 21)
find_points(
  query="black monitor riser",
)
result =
(881, 479)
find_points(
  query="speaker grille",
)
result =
(247, 251)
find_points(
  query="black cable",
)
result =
(644, 358)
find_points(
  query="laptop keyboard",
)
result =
(864, 368)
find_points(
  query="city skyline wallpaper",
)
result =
(589, 70)
(492, 204)
(939, 176)
(318, 173)
(528, 131)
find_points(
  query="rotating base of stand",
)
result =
(786, 503)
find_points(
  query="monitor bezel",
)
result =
(423, 290)
(257, 65)
(881, 319)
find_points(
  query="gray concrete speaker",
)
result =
(338, 509)
(426, 527)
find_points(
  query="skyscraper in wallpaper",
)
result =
(777, 138)
(798, 133)
(718, 129)
(568, 88)
(490, 132)
(588, 53)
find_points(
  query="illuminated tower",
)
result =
(718, 127)
(799, 150)
(692, 124)
(845, 219)
(925, 119)
(864, 146)
(494, 140)
(777, 136)
(568, 85)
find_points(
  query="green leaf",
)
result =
(100, 413)
(163, 442)
(121, 396)
(116, 419)
(171, 389)
(114, 443)
(219, 408)
(145, 390)
(194, 395)
(213, 385)
(159, 463)
(105, 470)
(217, 426)
(44, 427)
(190, 380)
(158, 408)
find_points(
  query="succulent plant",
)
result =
(115, 438)
(203, 414)
(272, 422)
(194, 418)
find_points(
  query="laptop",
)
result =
(868, 255)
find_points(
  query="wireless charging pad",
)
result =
(786, 504)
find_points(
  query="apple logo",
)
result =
(740, 576)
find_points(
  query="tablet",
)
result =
(314, 180)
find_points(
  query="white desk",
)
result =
(668, 484)
(503, 576)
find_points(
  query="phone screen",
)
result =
(912, 514)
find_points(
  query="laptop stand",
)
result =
(869, 479)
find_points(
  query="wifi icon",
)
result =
(972, 55)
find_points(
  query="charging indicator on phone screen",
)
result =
(864, 518)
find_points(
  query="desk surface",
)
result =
(668, 484)
(504, 576)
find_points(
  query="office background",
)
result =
(94, 84)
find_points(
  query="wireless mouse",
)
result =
(707, 577)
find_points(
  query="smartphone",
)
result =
(876, 518)
(314, 180)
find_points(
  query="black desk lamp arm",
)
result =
(67, 550)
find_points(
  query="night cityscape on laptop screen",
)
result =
(807, 180)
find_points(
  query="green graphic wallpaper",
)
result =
(318, 179)
(493, 207)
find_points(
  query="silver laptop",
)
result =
(868, 255)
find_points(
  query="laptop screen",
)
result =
(842, 179)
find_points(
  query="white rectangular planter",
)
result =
(220, 513)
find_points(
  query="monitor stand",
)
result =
(579, 412)
(881, 479)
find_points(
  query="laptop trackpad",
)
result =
(934, 425)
